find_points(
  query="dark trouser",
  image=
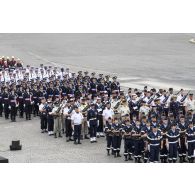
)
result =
(134, 113)
(93, 128)
(128, 147)
(173, 148)
(21, 109)
(43, 121)
(182, 149)
(137, 148)
(6, 110)
(164, 151)
(68, 128)
(50, 123)
(77, 132)
(116, 143)
(100, 127)
(1, 109)
(36, 109)
(109, 142)
(28, 109)
(13, 113)
(191, 148)
(154, 153)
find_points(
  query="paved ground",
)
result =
(156, 60)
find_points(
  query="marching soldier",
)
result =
(20, 101)
(1, 102)
(100, 107)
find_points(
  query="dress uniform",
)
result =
(43, 115)
(20, 102)
(182, 125)
(174, 107)
(92, 122)
(154, 143)
(5, 98)
(128, 141)
(77, 119)
(164, 127)
(136, 135)
(117, 137)
(99, 106)
(50, 118)
(35, 99)
(27, 104)
(173, 143)
(67, 114)
(13, 105)
(190, 140)
(109, 135)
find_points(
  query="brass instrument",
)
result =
(86, 108)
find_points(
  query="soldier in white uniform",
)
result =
(190, 104)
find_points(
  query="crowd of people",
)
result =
(149, 123)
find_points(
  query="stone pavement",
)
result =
(41, 148)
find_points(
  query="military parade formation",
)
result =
(151, 125)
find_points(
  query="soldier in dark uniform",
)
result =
(190, 142)
(154, 143)
(93, 87)
(174, 107)
(27, 103)
(117, 137)
(100, 108)
(182, 125)
(109, 134)
(164, 127)
(136, 135)
(173, 142)
(5, 98)
(50, 119)
(13, 105)
(20, 101)
(115, 85)
(128, 141)
(92, 122)
(35, 99)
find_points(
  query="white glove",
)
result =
(98, 122)
(9, 107)
(88, 124)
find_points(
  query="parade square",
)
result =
(138, 60)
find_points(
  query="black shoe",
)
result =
(67, 140)
(180, 160)
(118, 155)
(136, 160)
(130, 158)
(71, 139)
(145, 160)
(165, 160)
(75, 142)
(126, 159)
(55, 136)
(60, 135)
(79, 143)
(42, 131)
(139, 160)
(86, 137)
(184, 160)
